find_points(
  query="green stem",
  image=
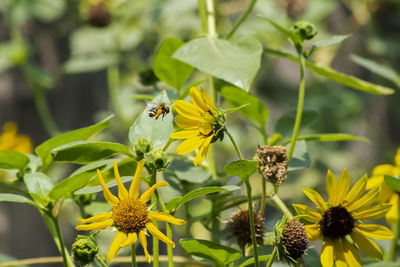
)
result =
(113, 80)
(101, 261)
(272, 258)
(60, 239)
(282, 206)
(242, 19)
(210, 11)
(234, 144)
(299, 107)
(169, 249)
(264, 195)
(391, 255)
(154, 208)
(203, 14)
(252, 226)
(133, 253)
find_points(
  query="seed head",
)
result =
(294, 238)
(273, 163)
(99, 14)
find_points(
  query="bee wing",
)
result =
(150, 104)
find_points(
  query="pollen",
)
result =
(130, 216)
(336, 222)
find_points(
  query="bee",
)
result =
(156, 110)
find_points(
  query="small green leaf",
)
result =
(236, 62)
(13, 160)
(39, 186)
(6, 197)
(251, 260)
(168, 69)
(393, 182)
(330, 138)
(87, 152)
(221, 255)
(336, 39)
(300, 158)
(284, 125)
(293, 37)
(186, 171)
(241, 168)
(256, 110)
(175, 203)
(43, 150)
(155, 131)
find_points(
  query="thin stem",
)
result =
(113, 88)
(299, 107)
(234, 144)
(242, 19)
(210, 9)
(61, 240)
(169, 249)
(272, 258)
(252, 226)
(391, 255)
(264, 195)
(154, 208)
(100, 261)
(133, 254)
(282, 206)
(203, 14)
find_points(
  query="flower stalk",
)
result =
(242, 19)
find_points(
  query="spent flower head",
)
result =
(273, 163)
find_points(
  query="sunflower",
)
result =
(199, 123)
(339, 220)
(130, 215)
(388, 195)
(10, 140)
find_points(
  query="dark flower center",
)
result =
(130, 216)
(336, 222)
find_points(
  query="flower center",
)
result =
(336, 222)
(130, 216)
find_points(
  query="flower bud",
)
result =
(273, 163)
(85, 249)
(156, 159)
(142, 147)
(305, 30)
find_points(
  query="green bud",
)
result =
(83, 199)
(219, 126)
(156, 159)
(147, 77)
(305, 30)
(142, 147)
(85, 249)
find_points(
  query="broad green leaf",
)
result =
(256, 110)
(10, 160)
(98, 188)
(251, 260)
(241, 168)
(66, 187)
(294, 37)
(89, 62)
(236, 62)
(168, 69)
(87, 152)
(221, 255)
(39, 186)
(43, 150)
(186, 171)
(6, 197)
(331, 41)
(300, 158)
(175, 203)
(393, 182)
(48, 10)
(379, 69)
(331, 138)
(284, 125)
(155, 131)
(336, 76)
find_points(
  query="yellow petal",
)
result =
(307, 213)
(95, 226)
(165, 217)
(201, 155)
(374, 181)
(366, 200)
(187, 109)
(397, 157)
(316, 198)
(155, 232)
(190, 145)
(374, 212)
(386, 169)
(110, 198)
(356, 191)
(143, 241)
(351, 255)
(197, 99)
(149, 192)
(338, 254)
(134, 189)
(130, 240)
(97, 218)
(208, 100)
(375, 231)
(392, 216)
(313, 231)
(366, 245)
(343, 185)
(332, 189)
(115, 245)
(122, 192)
(185, 134)
(327, 253)
(184, 122)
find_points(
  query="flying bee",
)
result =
(156, 110)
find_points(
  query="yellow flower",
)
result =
(197, 120)
(388, 195)
(9, 140)
(130, 215)
(340, 219)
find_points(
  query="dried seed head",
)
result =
(273, 163)
(99, 14)
(294, 238)
(239, 227)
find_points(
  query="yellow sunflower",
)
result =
(388, 195)
(10, 140)
(197, 120)
(130, 215)
(340, 220)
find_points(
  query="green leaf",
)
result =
(13, 160)
(393, 182)
(89, 62)
(330, 138)
(39, 77)
(241, 168)
(300, 158)
(251, 260)
(383, 264)
(336, 76)
(48, 10)
(336, 39)
(284, 125)
(294, 37)
(155, 131)
(312, 258)
(87, 152)
(221, 255)
(175, 203)
(168, 69)
(186, 171)
(43, 150)
(379, 69)
(236, 62)
(6, 197)
(39, 186)
(256, 111)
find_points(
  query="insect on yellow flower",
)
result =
(340, 219)
(130, 215)
(10, 140)
(199, 121)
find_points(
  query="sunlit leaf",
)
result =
(393, 182)
(241, 168)
(294, 37)
(331, 138)
(6, 197)
(39, 186)
(13, 160)
(336, 39)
